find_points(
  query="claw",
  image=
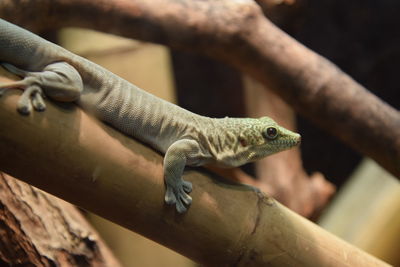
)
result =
(187, 186)
(185, 198)
(38, 102)
(24, 107)
(170, 198)
(24, 104)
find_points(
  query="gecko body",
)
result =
(184, 137)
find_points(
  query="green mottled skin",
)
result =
(187, 139)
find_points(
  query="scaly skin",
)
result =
(185, 138)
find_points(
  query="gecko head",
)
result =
(263, 137)
(258, 138)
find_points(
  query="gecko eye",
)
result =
(271, 133)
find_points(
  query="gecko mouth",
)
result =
(286, 142)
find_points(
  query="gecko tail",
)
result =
(21, 84)
(15, 70)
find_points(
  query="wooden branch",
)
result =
(238, 33)
(40, 230)
(67, 153)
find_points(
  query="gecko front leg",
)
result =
(59, 81)
(181, 153)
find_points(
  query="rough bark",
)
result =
(238, 33)
(37, 229)
(67, 153)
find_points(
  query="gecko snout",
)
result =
(298, 139)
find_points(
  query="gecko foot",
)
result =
(31, 98)
(178, 195)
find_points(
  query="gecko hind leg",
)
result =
(32, 96)
(59, 81)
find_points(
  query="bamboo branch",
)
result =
(238, 33)
(67, 153)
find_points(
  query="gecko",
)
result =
(185, 138)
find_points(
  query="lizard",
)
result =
(185, 138)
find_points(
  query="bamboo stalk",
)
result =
(67, 153)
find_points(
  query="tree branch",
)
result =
(40, 230)
(66, 153)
